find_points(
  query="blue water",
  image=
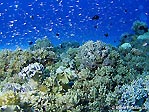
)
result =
(23, 21)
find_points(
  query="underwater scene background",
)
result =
(28, 20)
(74, 56)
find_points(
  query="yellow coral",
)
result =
(9, 98)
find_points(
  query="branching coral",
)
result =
(31, 70)
(135, 96)
(13, 62)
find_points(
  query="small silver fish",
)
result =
(144, 44)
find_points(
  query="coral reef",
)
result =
(65, 46)
(126, 46)
(92, 54)
(135, 96)
(42, 43)
(31, 70)
(9, 98)
(139, 27)
(93, 77)
(13, 61)
(137, 56)
(127, 38)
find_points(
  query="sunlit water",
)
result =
(24, 21)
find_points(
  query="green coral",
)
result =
(75, 89)
(42, 43)
(139, 40)
(13, 62)
(139, 27)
